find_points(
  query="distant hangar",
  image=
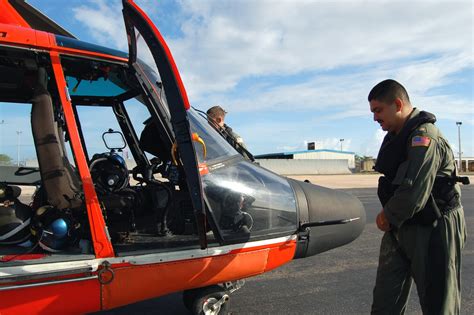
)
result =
(309, 162)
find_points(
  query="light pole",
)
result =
(2, 122)
(18, 132)
(459, 123)
(341, 140)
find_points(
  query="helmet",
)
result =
(119, 159)
(54, 229)
(109, 172)
(15, 217)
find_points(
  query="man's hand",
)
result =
(382, 222)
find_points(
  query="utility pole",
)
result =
(459, 123)
(2, 122)
(18, 132)
(341, 140)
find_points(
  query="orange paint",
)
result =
(280, 255)
(66, 298)
(27, 37)
(11, 34)
(143, 282)
(203, 169)
(136, 283)
(10, 15)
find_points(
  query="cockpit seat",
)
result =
(151, 141)
(59, 178)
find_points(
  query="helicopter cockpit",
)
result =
(243, 200)
(138, 174)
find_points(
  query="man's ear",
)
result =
(218, 120)
(399, 103)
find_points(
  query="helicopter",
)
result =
(191, 214)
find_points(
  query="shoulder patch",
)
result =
(420, 141)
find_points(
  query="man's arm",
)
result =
(415, 178)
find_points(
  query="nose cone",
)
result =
(328, 218)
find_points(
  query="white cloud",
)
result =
(226, 41)
(104, 21)
(318, 57)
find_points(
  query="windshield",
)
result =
(216, 146)
(248, 201)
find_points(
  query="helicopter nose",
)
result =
(327, 218)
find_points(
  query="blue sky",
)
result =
(289, 72)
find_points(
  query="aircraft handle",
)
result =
(328, 222)
(195, 137)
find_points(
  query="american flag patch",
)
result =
(420, 141)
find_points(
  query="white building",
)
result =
(324, 154)
(321, 161)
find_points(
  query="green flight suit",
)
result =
(233, 137)
(237, 142)
(407, 252)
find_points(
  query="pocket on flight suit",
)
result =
(401, 175)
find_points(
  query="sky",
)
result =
(292, 72)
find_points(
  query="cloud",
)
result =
(220, 47)
(224, 43)
(96, 16)
(315, 57)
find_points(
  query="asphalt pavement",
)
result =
(339, 281)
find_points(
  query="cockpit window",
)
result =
(155, 80)
(216, 146)
(94, 78)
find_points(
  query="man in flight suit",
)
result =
(216, 116)
(422, 215)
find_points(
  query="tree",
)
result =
(5, 159)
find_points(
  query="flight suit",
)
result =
(232, 137)
(429, 254)
(237, 142)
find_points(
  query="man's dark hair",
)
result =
(387, 91)
(216, 111)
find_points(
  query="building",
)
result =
(467, 164)
(321, 154)
(307, 162)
